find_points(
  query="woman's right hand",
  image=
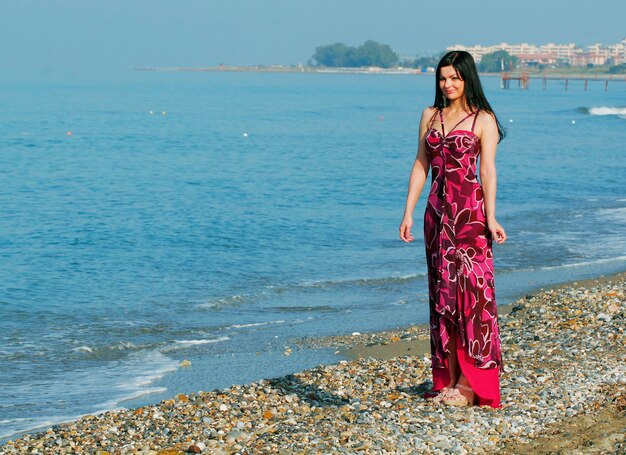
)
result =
(405, 228)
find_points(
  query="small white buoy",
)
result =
(573, 122)
(163, 113)
(245, 134)
(510, 120)
(151, 112)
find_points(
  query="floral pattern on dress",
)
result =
(459, 251)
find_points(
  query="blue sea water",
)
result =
(156, 217)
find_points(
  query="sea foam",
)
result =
(608, 110)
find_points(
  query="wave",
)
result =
(307, 309)
(254, 324)
(21, 419)
(183, 344)
(230, 301)
(583, 263)
(604, 110)
(197, 342)
(239, 299)
(373, 281)
(116, 382)
(400, 302)
(507, 270)
(15, 427)
(111, 352)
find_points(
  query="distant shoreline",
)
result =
(287, 69)
(372, 70)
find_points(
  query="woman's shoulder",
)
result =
(428, 113)
(485, 118)
(485, 122)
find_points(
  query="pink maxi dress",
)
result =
(460, 264)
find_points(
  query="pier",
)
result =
(523, 79)
(508, 76)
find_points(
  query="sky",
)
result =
(96, 35)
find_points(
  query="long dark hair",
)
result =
(464, 65)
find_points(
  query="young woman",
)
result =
(459, 227)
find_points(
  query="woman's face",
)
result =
(450, 83)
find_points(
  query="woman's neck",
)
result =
(458, 105)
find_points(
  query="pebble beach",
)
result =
(563, 391)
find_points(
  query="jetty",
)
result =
(523, 79)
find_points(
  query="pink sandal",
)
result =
(455, 398)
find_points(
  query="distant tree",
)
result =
(492, 62)
(618, 69)
(334, 55)
(589, 66)
(425, 62)
(369, 53)
(372, 53)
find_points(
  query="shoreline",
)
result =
(307, 352)
(414, 339)
(285, 69)
(370, 70)
(393, 372)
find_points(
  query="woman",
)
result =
(459, 227)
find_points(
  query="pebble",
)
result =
(560, 362)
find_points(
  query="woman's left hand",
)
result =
(497, 232)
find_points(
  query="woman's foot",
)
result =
(460, 395)
(443, 394)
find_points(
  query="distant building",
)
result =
(550, 54)
(563, 52)
(537, 59)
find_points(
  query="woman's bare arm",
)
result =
(488, 179)
(417, 179)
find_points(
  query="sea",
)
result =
(148, 218)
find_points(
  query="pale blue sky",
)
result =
(71, 35)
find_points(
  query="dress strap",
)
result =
(475, 117)
(464, 118)
(443, 128)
